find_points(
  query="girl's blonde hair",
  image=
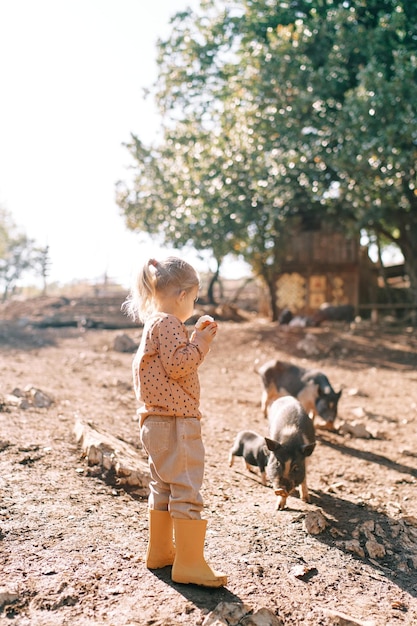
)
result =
(172, 275)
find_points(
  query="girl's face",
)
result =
(186, 303)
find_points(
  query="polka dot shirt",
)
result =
(165, 369)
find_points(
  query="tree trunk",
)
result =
(408, 245)
(210, 289)
(410, 265)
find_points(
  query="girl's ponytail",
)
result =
(170, 277)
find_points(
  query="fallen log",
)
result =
(114, 456)
(104, 322)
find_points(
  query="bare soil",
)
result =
(72, 544)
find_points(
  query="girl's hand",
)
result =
(207, 333)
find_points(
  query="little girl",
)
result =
(168, 390)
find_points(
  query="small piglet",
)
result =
(253, 449)
(291, 439)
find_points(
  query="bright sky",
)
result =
(72, 74)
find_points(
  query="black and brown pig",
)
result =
(310, 386)
(252, 447)
(291, 439)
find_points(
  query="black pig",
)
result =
(253, 449)
(330, 313)
(291, 439)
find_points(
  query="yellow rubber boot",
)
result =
(161, 549)
(190, 565)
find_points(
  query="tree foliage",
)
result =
(277, 116)
(18, 254)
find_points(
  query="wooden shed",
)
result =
(319, 265)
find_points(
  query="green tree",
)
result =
(282, 115)
(18, 254)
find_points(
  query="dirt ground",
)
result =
(72, 545)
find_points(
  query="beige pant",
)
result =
(176, 463)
